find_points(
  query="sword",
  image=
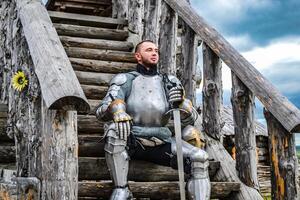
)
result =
(177, 125)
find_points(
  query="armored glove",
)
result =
(176, 94)
(122, 120)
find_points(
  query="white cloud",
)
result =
(273, 60)
(220, 11)
(241, 42)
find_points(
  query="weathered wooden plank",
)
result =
(97, 54)
(86, 20)
(120, 9)
(89, 124)
(96, 43)
(152, 190)
(212, 92)
(67, 5)
(59, 163)
(286, 112)
(151, 20)
(135, 17)
(187, 61)
(91, 145)
(92, 78)
(167, 40)
(102, 2)
(90, 32)
(58, 81)
(7, 153)
(91, 168)
(94, 92)
(101, 66)
(242, 101)
(284, 162)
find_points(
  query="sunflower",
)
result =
(19, 81)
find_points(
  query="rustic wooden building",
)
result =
(51, 144)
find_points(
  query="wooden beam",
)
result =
(58, 81)
(135, 17)
(151, 20)
(120, 9)
(212, 92)
(284, 162)
(167, 40)
(94, 91)
(86, 20)
(152, 190)
(96, 43)
(97, 54)
(92, 78)
(138, 170)
(90, 65)
(242, 101)
(90, 32)
(187, 61)
(284, 111)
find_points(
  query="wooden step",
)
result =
(94, 78)
(7, 153)
(91, 168)
(153, 190)
(90, 32)
(94, 91)
(90, 65)
(89, 124)
(86, 20)
(68, 41)
(97, 54)
(91, 145)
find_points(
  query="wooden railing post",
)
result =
(187, 61)
(151, 20)
(212, 92)
(242, 101)
(284, 162)
(167, 40)
(120, 9)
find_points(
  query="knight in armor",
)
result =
(135, 107)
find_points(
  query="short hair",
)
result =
(137, 47)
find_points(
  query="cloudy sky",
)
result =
(266, 33)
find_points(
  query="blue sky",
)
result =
(266, 33)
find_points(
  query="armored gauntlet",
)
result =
(123, 121)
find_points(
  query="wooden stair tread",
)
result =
(86, 20)
(90, 32)
(94, 78)
(99, 54)
(92, 65)
(153, 190)
(95, 168)
(91, 43)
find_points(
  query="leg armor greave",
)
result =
(117, 161)
(199, 185)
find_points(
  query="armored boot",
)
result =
(118, 162)
(199, 185)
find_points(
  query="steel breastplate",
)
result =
(147, 102)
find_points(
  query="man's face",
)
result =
(147, 54)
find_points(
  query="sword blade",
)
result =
(177, 124)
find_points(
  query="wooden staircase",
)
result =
(97, 49)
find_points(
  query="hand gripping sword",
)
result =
(177, 126)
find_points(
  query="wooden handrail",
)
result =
(284, 111)
(59, 84)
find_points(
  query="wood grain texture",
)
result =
(152, 190)
(58, 81)
(212, 92)
(152, 14)
(284, 162)
(242, 101)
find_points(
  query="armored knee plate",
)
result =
(199, 185)
(118, 162)
(193, 136)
